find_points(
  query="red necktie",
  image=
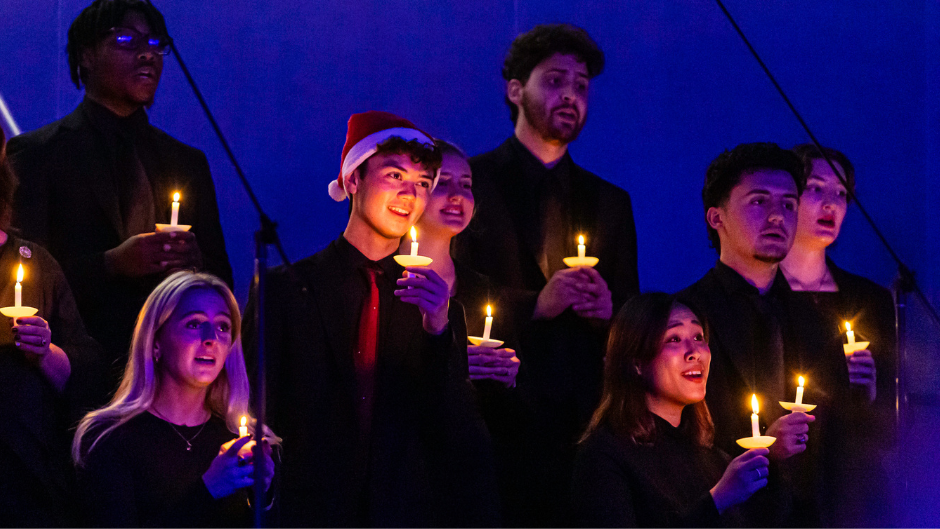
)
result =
(365, 353)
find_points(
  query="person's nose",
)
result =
(208, 333)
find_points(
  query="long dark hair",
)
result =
(635, 340)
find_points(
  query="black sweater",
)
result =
(141, 475)
(619, 483)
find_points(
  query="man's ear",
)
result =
(87, 59)
(514, 92)
(715, 218)
(353, 180)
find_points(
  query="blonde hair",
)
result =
(228, 395)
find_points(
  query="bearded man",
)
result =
(533, 202)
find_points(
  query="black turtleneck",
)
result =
(621, 483)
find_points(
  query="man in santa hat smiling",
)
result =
(363, 358)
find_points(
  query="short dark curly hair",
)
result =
(541, 42)
(93, 23)
(808, 152)
(725, 172)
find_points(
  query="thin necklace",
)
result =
(826, 275)
(189, 442)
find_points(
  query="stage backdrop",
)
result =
(679, 87)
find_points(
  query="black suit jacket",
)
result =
(66, 202)
(563, 357)
(739, 356)
(430, 461)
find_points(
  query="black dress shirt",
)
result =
(746, 359)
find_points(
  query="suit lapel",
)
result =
(337, 324)
(96, 170)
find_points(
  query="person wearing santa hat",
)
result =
(363, 356)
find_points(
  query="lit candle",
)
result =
(175, 215)
(799, 393)
(849, 333)
(18, 289)
(488, 325)
(414, 242)
(755, 428)
(243, 429)
(581, 251)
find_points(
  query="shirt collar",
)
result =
(733, 282)
(356, 259)
(108, 122)
(534, 168)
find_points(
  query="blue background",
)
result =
(679, 87)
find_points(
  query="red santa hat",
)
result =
(364, 133)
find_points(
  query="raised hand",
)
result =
(862, 371)
(791, 432)
(596, 298)
(424, 288)
(228, 473)
(495, 364)
(154, 253)
(745, 475)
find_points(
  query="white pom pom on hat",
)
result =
(364, 132)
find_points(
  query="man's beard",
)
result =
(541, 121)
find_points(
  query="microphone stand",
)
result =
(264, 237)
(905, 282)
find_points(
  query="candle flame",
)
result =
(581, 239)
(176, 197)
(489, 311)
(754, 405)
(244, 420)
(414, 235)
(801, 381)
(848, 327)
(19, 274)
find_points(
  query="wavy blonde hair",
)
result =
(228, 395)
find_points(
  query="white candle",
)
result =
(175, 215)
(755, 427)
(849, 333)
(243, 429)
(414, 242)
(488, 324)
(18, 289)
(581, 251)
(799, 393)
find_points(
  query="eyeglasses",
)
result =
(133, 40)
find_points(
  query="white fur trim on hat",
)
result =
(367, 147)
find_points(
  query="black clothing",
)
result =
(620, 483)
(142, 475)
(527, 219)
(871, 431)
(37, 477)
(83, 192)
(419, 470)
(747, 331)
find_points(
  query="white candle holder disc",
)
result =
(488, 343)
(575, 262)
(851, 348)
(792, 406)
(166, 228)
(413, 260)
(761, 441)
(18, 312)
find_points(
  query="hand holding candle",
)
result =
(18, 310)
(798, 405)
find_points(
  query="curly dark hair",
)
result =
(428, 156)
(541, 42)
(726, 171)
(808, 152)
(93, 23)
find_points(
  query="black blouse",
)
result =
(142, 475)
(35, 437)
(620, 483)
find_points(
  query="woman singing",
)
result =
(163, 452)
(647, 458)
